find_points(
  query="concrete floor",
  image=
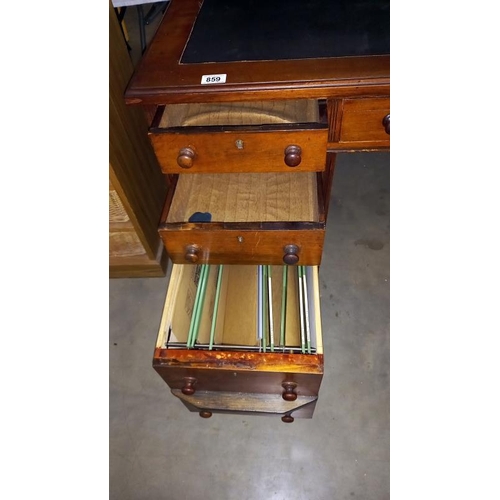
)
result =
(160, 451)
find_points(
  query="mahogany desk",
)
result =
(306, 80)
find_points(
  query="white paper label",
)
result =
(209, 79)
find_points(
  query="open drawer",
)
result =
(245, 346)
(272, 136)
(269, 218)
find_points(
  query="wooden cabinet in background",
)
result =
(137, 188)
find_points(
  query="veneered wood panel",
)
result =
(356, 124)
(362, 120)
(261, 151)
(244, 246)
(242, 381)
(240, 371)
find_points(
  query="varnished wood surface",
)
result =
(244, 246)
(161, 79)
(244, 360)
(240, 371)
(236, 380)
(357, 124)
(263, 149)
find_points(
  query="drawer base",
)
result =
(207, 403)
(245, 402)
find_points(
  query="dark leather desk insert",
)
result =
(257, 30)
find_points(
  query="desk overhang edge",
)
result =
(378, 87)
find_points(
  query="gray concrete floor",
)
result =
(159, 450)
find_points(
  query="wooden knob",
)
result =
(192, 253)
(292, 155)
(291, 256)
(185, 159)
(288, 419)
(189, 383)
(386, 122)
(205, 414)
(289, 394)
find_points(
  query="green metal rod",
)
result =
(283, 306)
(264, 307)
(216, 307)
(306, 311)
(192, 325)
(301, 311)
(271, 315)
(204, 281)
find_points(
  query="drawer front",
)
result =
(226, 246)
(188, 380)
(241, 151)
(359, 124)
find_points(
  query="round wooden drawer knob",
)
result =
(205, 414)
(288, 419)
(185, 159)
(292, 155)
(291, 256)
(189, 383)
(192, 253)
(289, 394)
(386, 122)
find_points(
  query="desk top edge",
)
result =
(160, 78)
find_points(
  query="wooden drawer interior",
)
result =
(268, 197)
(238, 114)
(228, 321)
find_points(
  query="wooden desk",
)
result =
(296, 114)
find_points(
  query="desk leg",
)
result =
(327, 178)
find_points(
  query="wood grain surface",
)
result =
(356, 124)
